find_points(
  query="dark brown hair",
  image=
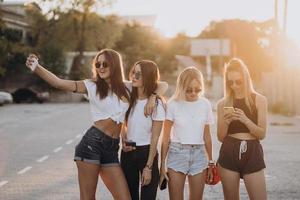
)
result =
(114, 61)
(150, 74)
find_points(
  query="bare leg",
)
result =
(88, 179)
(115, 181)
(196, 186)
(256, 185)
(176, 184)
(230, 183)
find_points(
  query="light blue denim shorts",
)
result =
(190, 159)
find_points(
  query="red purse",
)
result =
(216, 175)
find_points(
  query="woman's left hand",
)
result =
(146, 176)
(240, 115)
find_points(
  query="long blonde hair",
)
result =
(184, 79)
(237, 65)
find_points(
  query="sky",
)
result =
(192, 16)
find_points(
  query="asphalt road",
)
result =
(37, 145)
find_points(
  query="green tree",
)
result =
(138, 43)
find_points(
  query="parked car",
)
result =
(26, 95)
(5, 97)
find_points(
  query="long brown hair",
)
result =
(237, 65)
(150, 74)
(114, 61)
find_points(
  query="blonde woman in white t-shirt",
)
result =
(139, 157)
(186, 145)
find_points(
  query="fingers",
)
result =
(146, 177)
(32, 62)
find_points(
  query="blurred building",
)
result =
(281, 86)
(13, 15)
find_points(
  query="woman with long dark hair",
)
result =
(97, 152)
(140, 161)
(242, 122)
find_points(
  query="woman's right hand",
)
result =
(126, 148)
(32, 62)
(228, 118)
(163, 174)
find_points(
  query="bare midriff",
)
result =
(109, 127)
(243, 136)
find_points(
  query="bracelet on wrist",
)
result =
(211, 162)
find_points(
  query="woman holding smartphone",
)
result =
(186, 137)
(139, 157)
(241, 124)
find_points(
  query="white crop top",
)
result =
(189, 120)
(109, 107)
(140, 127)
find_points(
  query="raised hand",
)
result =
(32, 62)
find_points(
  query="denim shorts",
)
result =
(98, 148)
(190, 159)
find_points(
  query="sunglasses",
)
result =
(103, 64)
(236, 82)
(137, 75)
(190, 91)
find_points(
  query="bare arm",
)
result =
(207, 141)
(222, 126)
(259, 130)
(165, 141)
(156, 130)
(52, 79)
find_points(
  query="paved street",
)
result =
(37, 144)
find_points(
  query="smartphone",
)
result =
(228, 110)
(130, 143)
(163, 184)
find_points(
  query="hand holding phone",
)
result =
(130, 143)
(228, 110)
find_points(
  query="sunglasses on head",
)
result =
(237, 82)
(190, 91)
(137, 75)
(103, 64)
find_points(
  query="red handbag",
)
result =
(216, 176)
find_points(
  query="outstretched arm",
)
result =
(67, 85)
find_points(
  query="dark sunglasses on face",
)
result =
(190, 91)
(237, 82)
(137, 75)
(103, 64)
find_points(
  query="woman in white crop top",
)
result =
(139, 157)
(97, 152)
(186, 137)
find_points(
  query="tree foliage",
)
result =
(245, 40)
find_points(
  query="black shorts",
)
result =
(98, 148)
(233, 158)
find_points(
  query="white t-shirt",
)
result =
(139, 127)
(109, 107)
(189, 120)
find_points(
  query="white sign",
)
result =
(210, 47)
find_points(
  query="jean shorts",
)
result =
(189, 159)
(97, 148)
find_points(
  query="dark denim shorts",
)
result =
(98, 148)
